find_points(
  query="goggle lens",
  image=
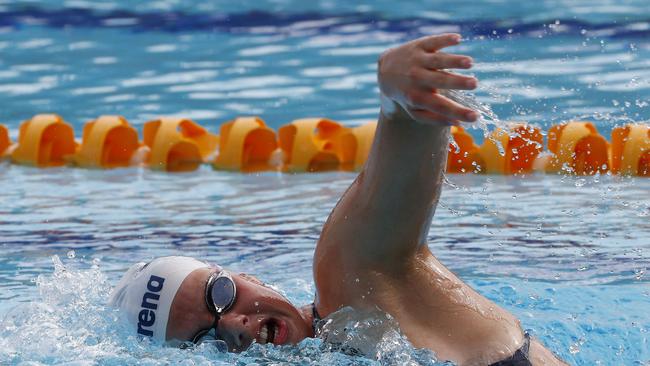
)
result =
(223, 293)
(220, 294)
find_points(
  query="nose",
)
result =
(237, 331)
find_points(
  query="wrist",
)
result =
(390, 108)
(392, 111)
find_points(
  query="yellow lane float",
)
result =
(511, 151)
(246, 145)
(177, 144)
(5, 142)
(364, 136)
(630, 154)
(463, 153)
(108, 142)
(44, 141)
(316, 144)
(577, 148)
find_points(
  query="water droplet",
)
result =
(71, 254)
(638, 274)
(454, 145)
(574, 348)
(580, 182)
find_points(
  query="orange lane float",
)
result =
(5, 142)
(177, 144)
(108, 142)
(630, 154)
(519, 147)
(44, 141)
(577, 148)
(317, 144)
(463, 153)
(246, 145)
(364, 136)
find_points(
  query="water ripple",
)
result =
(503, 235)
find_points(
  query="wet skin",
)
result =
(375, 238)
(255, 306)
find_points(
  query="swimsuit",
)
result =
(519, 358)
(316, 317)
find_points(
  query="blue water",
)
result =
(569, 256)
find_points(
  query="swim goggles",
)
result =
(220, 295)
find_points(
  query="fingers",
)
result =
(435, 43)
(447, 80)
(441, 60)
(440, 105)
(413, 74)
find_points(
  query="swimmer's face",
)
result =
(259, 314)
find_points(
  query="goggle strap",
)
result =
(208, 292)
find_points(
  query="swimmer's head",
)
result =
(165, 300)
(147, 291)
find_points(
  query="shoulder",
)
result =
(342, 280)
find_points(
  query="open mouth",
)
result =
(267, 332)
(273, 331)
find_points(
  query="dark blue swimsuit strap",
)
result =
(316, 317)
(520, 357)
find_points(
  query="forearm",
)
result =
(386, 213)
(403, 176)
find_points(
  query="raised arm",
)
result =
(372, 251)
(385, 215)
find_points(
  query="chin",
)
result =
(297, 333)
(291, 329)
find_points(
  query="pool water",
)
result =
(568, 255)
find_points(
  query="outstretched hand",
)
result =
(412, 74)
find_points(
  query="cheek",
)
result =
(252, 299)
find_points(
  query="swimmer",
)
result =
(372, 252)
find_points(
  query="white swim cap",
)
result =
(145, 293)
